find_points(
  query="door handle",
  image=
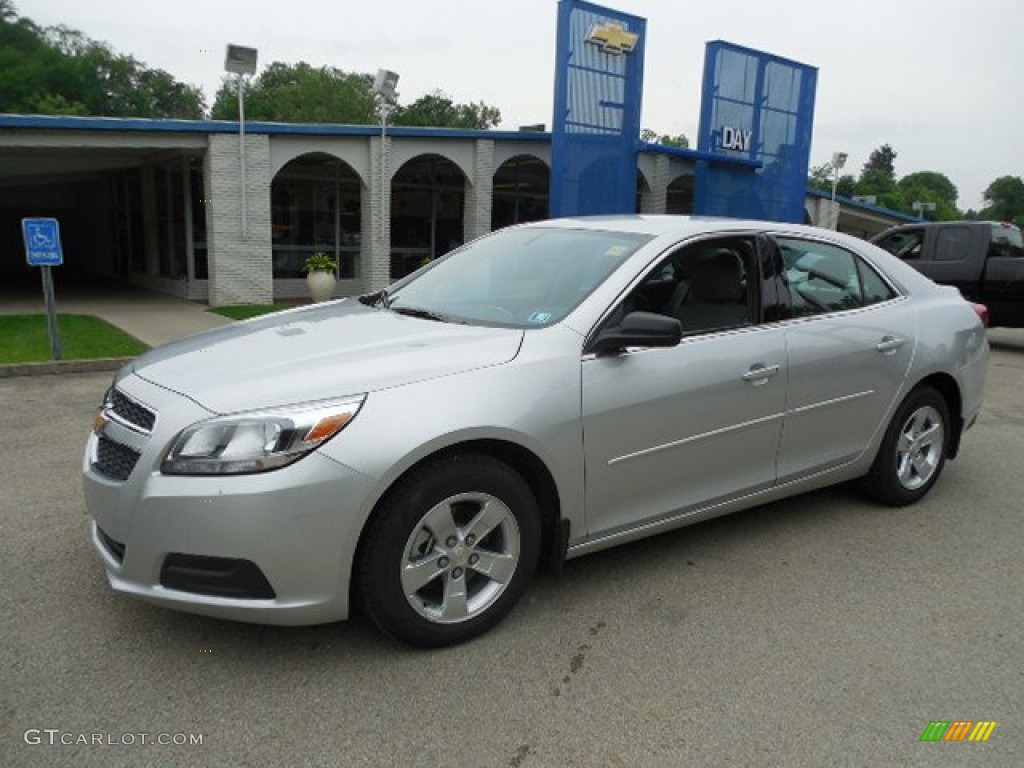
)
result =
(760, 373)
(889, 344)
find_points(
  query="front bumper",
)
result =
(274, 547)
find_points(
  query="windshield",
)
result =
(525, 277)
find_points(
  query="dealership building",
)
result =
(182, 207)
(228, 213)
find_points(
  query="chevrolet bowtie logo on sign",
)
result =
(611, 37)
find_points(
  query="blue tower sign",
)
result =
(759, 107)
(598, 94)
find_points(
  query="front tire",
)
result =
(449, 551)
(913, 451)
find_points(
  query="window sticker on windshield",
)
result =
(617, 251)
(539, 317)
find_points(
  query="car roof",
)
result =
(650, 224)
(682, 227)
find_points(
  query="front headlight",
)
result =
(257, 441)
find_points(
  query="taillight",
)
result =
(982, 311)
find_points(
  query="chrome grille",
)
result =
(114, 460)
(130, 411)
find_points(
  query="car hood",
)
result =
(314, 353)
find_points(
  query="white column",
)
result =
(476, 217)
(376, 218)
(240, 266)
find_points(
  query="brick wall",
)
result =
(655, 199)
(240, 266)
(479, 189)
(376, 220)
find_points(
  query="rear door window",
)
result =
(952, 244)
(824, 278)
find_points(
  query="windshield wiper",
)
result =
(425, 314)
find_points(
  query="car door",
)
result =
(850, 341)
(669, 430)
(1003, 292)
(956, 257)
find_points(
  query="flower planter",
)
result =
(321, 285)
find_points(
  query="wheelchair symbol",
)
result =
(40, 239)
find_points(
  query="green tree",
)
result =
(937, 183)
(59, 70)
(437, 109)
(929, 187)
(300, 93)
(7, 11)
(878, 178)
(1005, 200)
(847, 186)
(881, 161)
(821, 179)
(680, 141)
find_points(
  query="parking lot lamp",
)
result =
(838, 161)
(384, 87)
(921, 206)
(241, 62)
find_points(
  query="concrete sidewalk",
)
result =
(152, 318)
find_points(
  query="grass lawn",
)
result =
(245, 311)
(24, 339)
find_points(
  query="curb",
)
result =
(63, 366)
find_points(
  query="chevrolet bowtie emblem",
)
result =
(612, 38)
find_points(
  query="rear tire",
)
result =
(913, 451)
(449, 551)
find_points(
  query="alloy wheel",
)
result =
(460, 557)
(919, 447)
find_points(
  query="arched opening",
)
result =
(643, 190)
(315, 207)
(679, 196)
(427, 202)
(521, 191)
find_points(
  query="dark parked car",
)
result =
(984, 259)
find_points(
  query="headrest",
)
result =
(717, 276)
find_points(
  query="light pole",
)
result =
(384, 86)
(241, 61)
(838, 161)
(921, 207)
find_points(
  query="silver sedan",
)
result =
(543, 392)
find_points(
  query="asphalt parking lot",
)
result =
(818, 631)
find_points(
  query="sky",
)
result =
(941, 81)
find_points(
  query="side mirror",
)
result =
(638, 329)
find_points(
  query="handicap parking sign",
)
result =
(42, 242)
